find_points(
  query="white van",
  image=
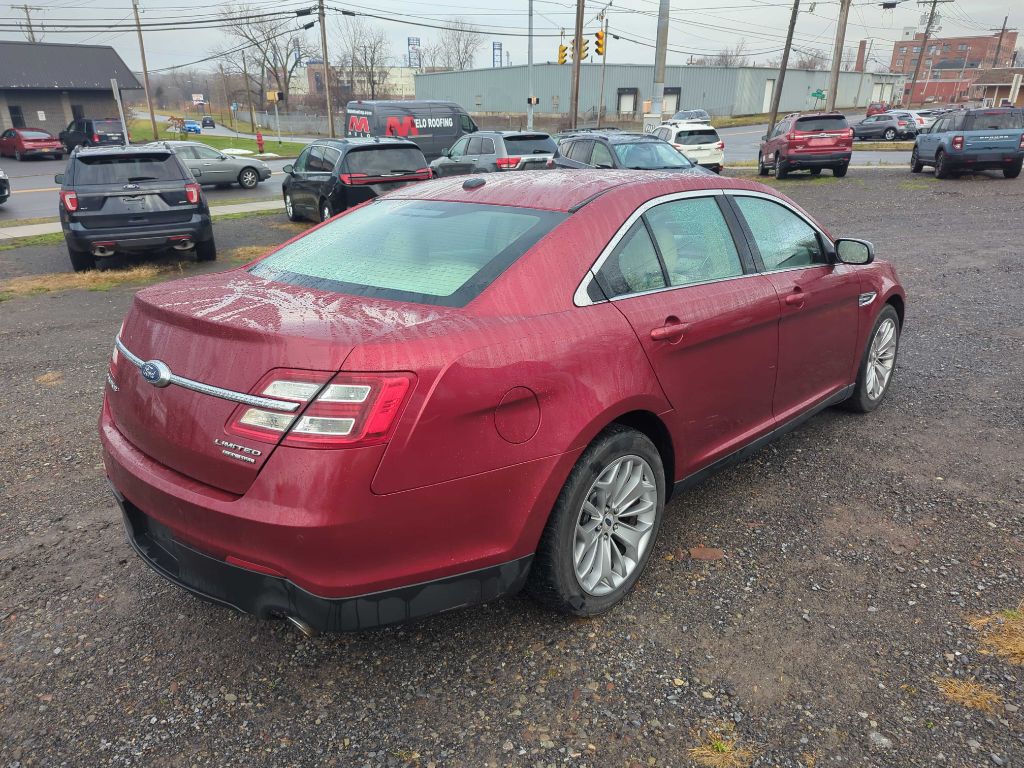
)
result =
(699, 141)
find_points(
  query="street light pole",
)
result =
(327, 69)
(777, 93)
(837, 55)
(660, 49)
(577, 50)
(145, 72)
(529, 71)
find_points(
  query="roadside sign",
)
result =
(818, 94)
(234, 106)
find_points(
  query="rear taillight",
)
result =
(958, 143)
(192, 193)
(508, 162)
(353, 178)
(350, 410)
(70, 201)
(1022, 141)
(901, 123)
(550, 163)
(720, 145)
(424, 173)
(790, 137)
(95, 138)
(920, 121)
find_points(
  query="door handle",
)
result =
(673, 330)
(796, 298)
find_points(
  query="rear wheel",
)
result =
(206, 251)
(761, 169)
(942, 170)
(248, 178)
(1014, 170)
(781, 170)
(815, 171)
(17, 155)
(289, 208)
(876, 368)
(601, 532)
(325, 210)
(839, 170)
(916, 166)
(81, 260)
(890, 134)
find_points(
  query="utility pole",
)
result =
(529, 71)
(660, 49)
(604, 65)
(327, 69)
(777, 93)
(999, 45)
(577, 48)
(248, 93)
(837, 55)
(924, 51)
(30, 32)
(145, 72)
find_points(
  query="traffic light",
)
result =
(585, 49)
(599, 43)
(563, 53)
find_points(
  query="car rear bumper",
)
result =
(31, 151)
(991, 161)
(310, 539)
(198, 229)
(817, 160)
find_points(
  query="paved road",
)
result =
(34, 193)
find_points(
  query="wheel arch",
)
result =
(897, 303)
(652, 426)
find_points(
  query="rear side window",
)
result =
(376, 161)
(423, 251)
(691, 138)
(633, 266)
(579, 151)
(694, 241)
(993, 121)
(828, 123)
(530, 145)
(35, 135)
(124, 170)
(107, 126)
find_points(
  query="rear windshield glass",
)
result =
(530, 145)
(837, 123)
(993, 121)
(650, 155)
(421, 251)
(107, 126)
(35, 134)
(375, 161)
(122, 170)
(691, 114)
(702, 136)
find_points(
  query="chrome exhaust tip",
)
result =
(302, 626)
(182, 245)
(102, 251)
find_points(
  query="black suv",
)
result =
(129, 200)
(331, 175)
(615, 149)
(89, 132)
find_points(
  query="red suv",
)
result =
(472, 385)
(877, 108)
(807, 142)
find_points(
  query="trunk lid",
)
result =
(229, 330)
(822, 133)
(995, 131)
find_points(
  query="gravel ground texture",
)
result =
(845, 597)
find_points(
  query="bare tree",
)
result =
(432, 57)
(810, 59)
(727, 57)
(365, 56)
(459, 43)
(275, 55)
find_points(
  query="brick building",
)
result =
(950, 65)
(47, 85)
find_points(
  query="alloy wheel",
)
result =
(288, 206)
(614, 525)
(881, 358)
(249, 179)
(325, 211)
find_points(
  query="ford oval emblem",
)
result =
(156, 373)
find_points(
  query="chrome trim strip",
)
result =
(208, 389)
(866, 298)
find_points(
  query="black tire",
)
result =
(916, 166)
(859, 401)
(815, 171)
(552, 580)
(206, 250)
(942, 170)
(59, 156)
(326, 210)
(1014, 170)
(840, 171)
(890, 134)
(248, 178)
(781, 169)
(289, 209)
(761, 169)
(17, 155)
(81, 260)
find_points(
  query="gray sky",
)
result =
(697, 26)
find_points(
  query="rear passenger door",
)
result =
(301, 186)
(708, 322)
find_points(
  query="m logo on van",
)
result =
(401, 126)
(357, 124)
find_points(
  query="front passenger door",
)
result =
(215, 170)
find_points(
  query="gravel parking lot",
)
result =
(821, 604)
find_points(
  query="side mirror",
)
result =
(288, 168)
(765, 137)
(59, 178)
(446, 152)
(197, 173)
(857, 252)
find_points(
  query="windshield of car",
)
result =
(106, 169)
(993, 120)
(695, 136)
(825, 123)
(530, 145)
(377, 161)
(423, 251)
(650, 155)
(35, 134)
(107, 126)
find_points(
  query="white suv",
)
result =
(699, 141)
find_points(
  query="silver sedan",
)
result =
(210, 166)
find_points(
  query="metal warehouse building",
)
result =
(719, 90)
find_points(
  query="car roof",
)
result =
(407, 103)
(118, 149)
(816, 114)
(506, 134)
(616, 137)
(686, 124)
(557, 191)
(351, 142)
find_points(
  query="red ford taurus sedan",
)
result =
(472, 385)
(21, 143)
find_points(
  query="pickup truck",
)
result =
(972, 140)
